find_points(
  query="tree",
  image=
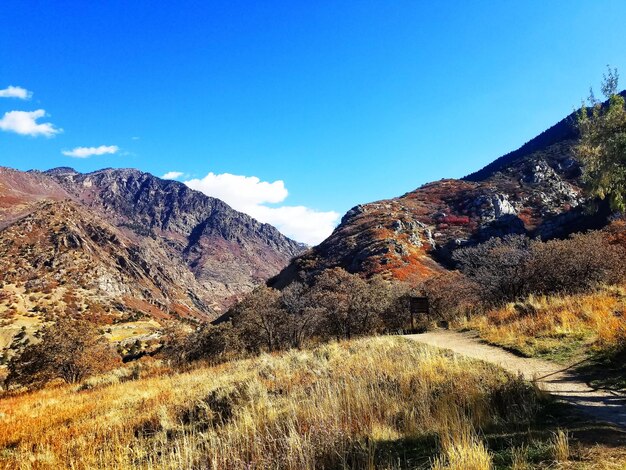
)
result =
(351, 305)
(260, 320)
(602, 145)
(302, 315)
(69, 349)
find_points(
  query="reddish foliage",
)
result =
(455, 220)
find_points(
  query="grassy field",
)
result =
(372, 403)
(377, 403)
(560, 328)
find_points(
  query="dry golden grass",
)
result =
(560, 327)
(360, 404)
(462, 450)
(560, 443)
(124, 331)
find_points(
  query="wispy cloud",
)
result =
(16, 92)
(250, 195)
(172, 175)
(25, 123)
(86, 152)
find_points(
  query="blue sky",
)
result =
(300, 110)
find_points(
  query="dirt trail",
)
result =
(602, 404)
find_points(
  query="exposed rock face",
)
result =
(535, 190)
(61, 247)
(166, 249)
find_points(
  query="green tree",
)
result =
(602, 145)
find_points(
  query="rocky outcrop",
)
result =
(534, 190)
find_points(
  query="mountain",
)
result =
(534, 190)
(131, 243)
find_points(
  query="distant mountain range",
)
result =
(121, 240)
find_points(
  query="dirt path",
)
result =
(601, 404)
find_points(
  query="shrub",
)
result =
(302, 315)
(499, 266)
(515, 266)
(451, 295)
(70, 350)
(212, 344)
(350, 305)
(259, 320)
(574, 265)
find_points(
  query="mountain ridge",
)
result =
(215, 253)
(534, 190)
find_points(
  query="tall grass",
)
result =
(370, 403)
(560, 444)
(560, 327)
(463, 451)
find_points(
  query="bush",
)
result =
(451, 295)
(259, 320)
(499, 266)
(71, 350)
(574, 265)
(213, 344)
(351, 306)
(514, 267)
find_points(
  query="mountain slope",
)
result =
(62, 249)
(20, 190)
(173, 250)
(534, 190)
(228, 252)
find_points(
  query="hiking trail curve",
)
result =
(560, 381)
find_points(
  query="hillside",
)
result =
(119, 245)
(534, 190)
(227, 251)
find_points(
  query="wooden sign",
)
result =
(419, 305)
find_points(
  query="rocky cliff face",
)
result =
(228, 252)
(535, 190)
(132, 242)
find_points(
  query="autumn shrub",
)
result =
(71, 350)
(515, 266)
(336, 304)
(259, 320)
(209, 343)
(451, 296)
(499, 266)
(350, 305)
(576, 264)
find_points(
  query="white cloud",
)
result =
(25, 123)
(250, 195)
(298, 222)
(172, 175)
(86, 152)
(16, 92)
(240, 191)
